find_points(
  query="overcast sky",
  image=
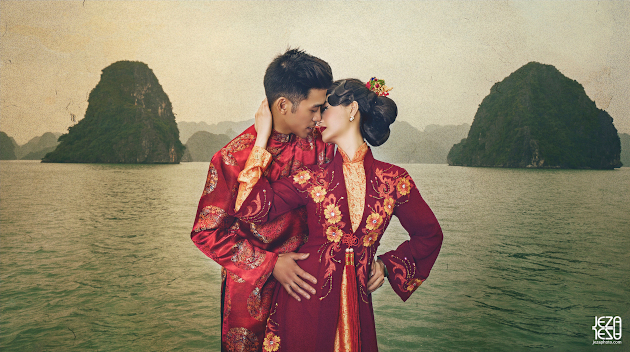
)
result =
(441, 57)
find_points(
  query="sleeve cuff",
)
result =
(257, 162)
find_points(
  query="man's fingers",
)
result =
(300, 272)
(291, 293)
(303, 285)
(306, 276)
(298, 289)
(299, 256)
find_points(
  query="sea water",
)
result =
(98, 257)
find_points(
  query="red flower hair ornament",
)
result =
(378, 86)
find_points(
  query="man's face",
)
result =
(302, 122)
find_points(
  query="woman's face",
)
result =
(336, 120)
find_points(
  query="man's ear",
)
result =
(283, 105)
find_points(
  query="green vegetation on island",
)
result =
(129, 119)
(38, 147)
(624, 138)
(7, 147)
(537, 117)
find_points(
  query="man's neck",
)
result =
(279, 125)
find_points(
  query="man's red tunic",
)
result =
(248, 253)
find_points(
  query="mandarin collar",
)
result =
(358, 156)
(281, 137)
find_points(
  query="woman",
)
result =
(350, 202)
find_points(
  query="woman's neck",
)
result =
(350, 143)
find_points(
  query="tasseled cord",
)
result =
(347, 337)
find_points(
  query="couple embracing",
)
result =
(296, 225)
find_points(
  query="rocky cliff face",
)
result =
(129, 119)
(38, 147)
(538, 118)
(625, 148)
(7, 147)
(202, 145)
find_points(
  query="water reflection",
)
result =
(99, 257)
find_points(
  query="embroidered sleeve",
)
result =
(215, 232)
(267, 201)
(256, 164)
(409, 265)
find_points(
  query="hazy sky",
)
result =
(441, 57)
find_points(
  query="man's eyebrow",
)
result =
(318, 105)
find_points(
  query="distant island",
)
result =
(34, 149)
(429, 146)
(229, 128)
(538, 118)
(202, 145)
(7, 147)
(625, 148)
(129, 119)
(409, 145)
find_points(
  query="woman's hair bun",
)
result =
(377, 112)
(375, 127)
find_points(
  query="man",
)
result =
(295, 86)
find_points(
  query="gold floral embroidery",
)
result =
(246, 256)
(302, 177)
(373, 221)
(236, 145)
(211, 180)
(210, 218)
(404, 186)
(332, 214)
(318, 193)
(403, 273)
(413, 284)
(354, 177)
(388, 204)
(259, 302)
(236, 278)
(369, 239)
(280, 137)
(255, 166)
(333, 234)
(271, 342)
(241, 339)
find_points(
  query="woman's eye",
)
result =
(324, 108)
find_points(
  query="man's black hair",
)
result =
(293, 74)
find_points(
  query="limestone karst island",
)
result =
(538, 118)
(129, 119)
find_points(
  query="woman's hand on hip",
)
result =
(377, 276)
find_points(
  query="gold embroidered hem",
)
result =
(256, 164)
(354, 175)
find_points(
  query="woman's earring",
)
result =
(351, 118)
